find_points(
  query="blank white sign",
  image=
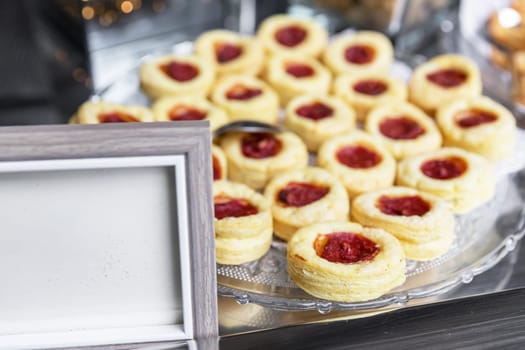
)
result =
(88, 249)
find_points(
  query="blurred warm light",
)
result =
(107, 18)
(126, 6)
(88, 12)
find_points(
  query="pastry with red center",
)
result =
(316, 118)
(254, 158)
(423, 223)
(365, 52)
(403, 128)
(442, 80)
(302, 197)
(463, 179)
(361, 162)
(105, 112)
(366, 91)
(294, 75)
(345, 262)
(246, 98)
(231, 52)
(285, 34)
(220, 166)
(243, 223)
(177, 75)
(478, 125)
(179, 108)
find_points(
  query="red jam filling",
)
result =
(242, 92)
(260, 145)
(217, 172)
(116, 117)
(401, 128)
(227, 52)
(290, 36)
(474, 117)
(358, 157)
(345, 247)
(299, 194)
(227, 207)
(403, 206)
(359, 54)
(447, 78)
(315, 111)
(183, 112)
(299, 70)
(444, 169)
(180, 71)
(370, 87)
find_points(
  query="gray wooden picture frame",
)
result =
(190, 139)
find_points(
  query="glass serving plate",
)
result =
(484, 236)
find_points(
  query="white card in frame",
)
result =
(106, 235)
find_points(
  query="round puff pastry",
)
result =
(294, 75)
(177, 75)
(246, 98)
(443, 79)
(220, 167)
(423, 223)
(231, 53)
(364, 92)
(403, 128)
(464, 179)
(365, 52)
(243, 223)
(175, 108)
(105, 112)
(345, 261)
(479, 125)
(285, 34)
(317, 118)
(302, 197)
(359, 161)
(253, 158)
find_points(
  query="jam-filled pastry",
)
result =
(365, 52)
(246, 98)
(253, 158)
(294, 75)
(105, 112)
(219, 163)
(423, 223)
(464, 179)
(364, 92)
(231, 52)
(285, 34)
(344, 261)
(478, 125)
(316, 118)
(443, 79)
(302, 197)
(177, 108)
(243, 223)
(177, 75)
(403, 128)
(359, 161)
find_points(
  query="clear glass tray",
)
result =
(483, 236)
